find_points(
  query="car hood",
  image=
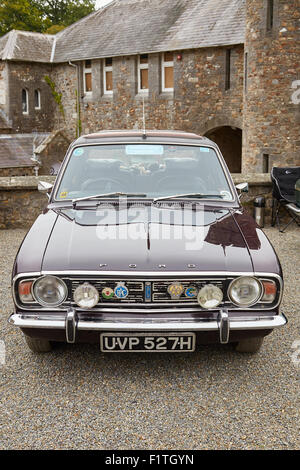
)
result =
(146, 239)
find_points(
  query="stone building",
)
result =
(228, 70)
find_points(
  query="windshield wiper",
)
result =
(100, 196)
(198, 195)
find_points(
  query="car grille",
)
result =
(135, 288)
(148, 292)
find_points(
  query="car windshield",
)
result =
(149, 170)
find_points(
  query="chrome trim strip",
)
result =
(137, 275)
(145, 310)
(147, 324)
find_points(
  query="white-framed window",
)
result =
(25, 105)
(87, 77)
(108, 76)
(143, 73)
(167, 71)
(37, 99)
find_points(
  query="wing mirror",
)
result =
(242, 188)
(45, 188)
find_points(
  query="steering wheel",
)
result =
(95, 183)
(167, 179)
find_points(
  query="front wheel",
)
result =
(250, 345)
(38, 345)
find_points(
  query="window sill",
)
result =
(88, 95)
(142, 95)
(107, 97)
(167, 95)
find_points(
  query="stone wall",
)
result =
(21, 203)
(19, 171)
(272, 103)
(30, 76)
(199, 103)
(64, 77)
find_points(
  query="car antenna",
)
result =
(144, 120)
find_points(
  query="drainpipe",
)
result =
(77, 98)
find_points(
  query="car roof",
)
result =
(119, 136)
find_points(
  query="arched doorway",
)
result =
(229, 140)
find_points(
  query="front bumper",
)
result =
(223, 323)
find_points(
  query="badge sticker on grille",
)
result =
(148, 292)
(175, 290)
(121, 291)
(107, 293)
(191, 292)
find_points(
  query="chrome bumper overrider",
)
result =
(71, 324)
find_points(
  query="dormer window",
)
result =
(87, 77)
(37, 99)
(143, 85)
(108, 76)
(167, 69)
(25, 107)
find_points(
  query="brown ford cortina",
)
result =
(144, 246)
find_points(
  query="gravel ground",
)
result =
(76, 397)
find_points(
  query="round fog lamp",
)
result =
(86, 296)
(49, 291)
(245, 291)
(210, 296)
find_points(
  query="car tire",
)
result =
(250, 345)
(38, 345)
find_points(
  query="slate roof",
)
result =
(16, 150)
(129, 27)
(26, 46)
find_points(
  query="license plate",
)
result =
(147, 342)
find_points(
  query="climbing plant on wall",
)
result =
(57, 96)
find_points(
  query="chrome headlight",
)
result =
(210, 296)
(49, 291)
(86, 296)
(245, 291)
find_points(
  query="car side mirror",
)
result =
(45, 188)
(242, 188)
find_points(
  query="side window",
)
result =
(143, 84)
(25, 106)
(270, 15)
(167, 69)
(246, 72)
(87, 77)
(108, 76)
(37, 99)
(228, 69)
